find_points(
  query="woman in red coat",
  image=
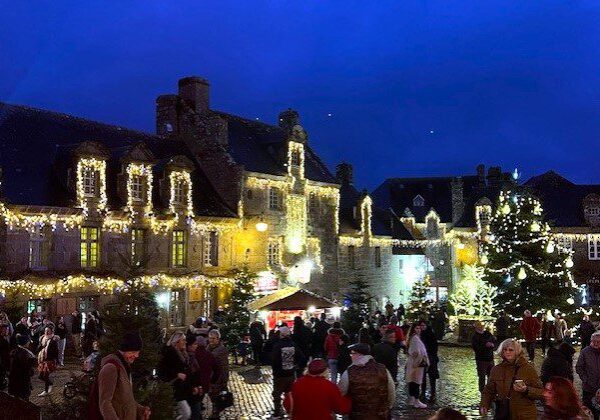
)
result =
(314, 397)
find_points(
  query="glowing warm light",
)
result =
(262, 226)
(336, 311)
(522, 274)
(569, 262)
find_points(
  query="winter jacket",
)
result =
(398, 331)
(387, 354)
(257, 334)
(286, 357)
(500, 384)
(222, 357)
(560, 326)
(547, 330)
(588, 369)
(321, 329)
(530, 328)
(302, 336)
(417, 354)
(558, 362)
(115, 391)
(315, 398)
(332, 343)
(171, 363)
(501, 327)
(76, 324)
(479, 344)
(22, 364)
(586, 329)
(208, 368)
(48, 349)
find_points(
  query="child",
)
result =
(243, 350)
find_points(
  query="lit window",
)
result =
(594, 247)
(178, 249)
(138, 245)
(351, 256)
(89, 176)
(377, 256)
(90, 247)
(273, 253)
(418, 201)
(137, 188)
(38, 249)
(177, 307)
(274, 199)
(211, 249)
(179, 192)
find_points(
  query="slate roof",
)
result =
(36, 146)
(562, 200)
(260, 148)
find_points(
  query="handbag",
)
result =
(502, 406)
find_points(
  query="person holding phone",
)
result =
(513, 385)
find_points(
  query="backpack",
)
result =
(94, 397)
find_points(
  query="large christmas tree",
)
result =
(237, 315)
(420, 307)
(357, 301)
(530, 270)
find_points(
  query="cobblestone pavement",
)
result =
(457, 387)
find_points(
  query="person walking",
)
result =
(221, 354)
(483, 344)
(558, 362)
(320, 334)
(560, 327)
(588, 369)
(513, 385)
(416, 364)
(209, 369)
(400, 336)
(47, 359)
(115, 386)
(547, 333)
(285, 359)
(530, 328)
(302, 336)
(400, 312)
(440, 318)
(386, 353)
(586, 329)
(258, 335)
(4, 355)
(173, 368)
(332, 349)
(90, 334)
(562, 402)
(369, 386)
(76, 321)
(22, 368)
(314, 397)
(194, 398)
(430, 341)
(61, 332)
(344, 359)
(501, 327)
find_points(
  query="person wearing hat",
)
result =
(313, 397)
(285, 359)
(483, 344)
(368, 384)
(22, 368)
(115, 388)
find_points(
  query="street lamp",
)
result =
(261, 226)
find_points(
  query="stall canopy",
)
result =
(288, 299)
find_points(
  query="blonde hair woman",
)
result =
(513, 386)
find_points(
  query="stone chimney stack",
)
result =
(167, 119)
(288, 119)
(494, 177)
(195, 92)
(481, 175)
(458, 199)
(344, 174)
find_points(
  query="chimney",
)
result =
(195, 92)
(344, 174)
(494, 177)
(458, 200)
(481, 175)
(288, 119)
(166, 115)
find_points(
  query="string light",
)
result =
(97, 166)
(181, 179)
(144, 171)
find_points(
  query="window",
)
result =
(295, 158)
(89, 176)
(137, 188)
(179, 191)
(274, 199)
(273, 253)
(565, 242)
(90, 247)
(418, 201)
(483, 215)
(211, 249)
(138, 245)
(352, 256)
(177, 307)
(178, 249)
(38, 249)
(377, 256)
(594, 247)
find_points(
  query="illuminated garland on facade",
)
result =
(295, 238)
(29, 222)
(114, 225)
(260, 183)
(365, 216)
(96, 165)
(314, 251)
(184, 177)
(145, 171)
(295, 147)
(351, 240)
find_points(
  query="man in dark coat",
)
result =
(386, 353)
(430, 339)
(285, 360)
(501, 327)
(559, 362)
(321, 330)
(302, 336)
(76, 320)
(258, 336)
(22, 368)
(588, 369)
(483, 343)
(586, 329)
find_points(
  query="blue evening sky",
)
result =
(414, 87)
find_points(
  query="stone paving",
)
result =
(457, 388)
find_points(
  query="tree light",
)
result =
(535, 227)
(550, 247)
(505, 209)
(569, 262)
(522, 273)
(570, 301)
(484, 259)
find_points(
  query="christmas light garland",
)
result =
(144, 171)
(96, 165)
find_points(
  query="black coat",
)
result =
(586, 329)
(478, 343)
(171, 363)
(286, 357)
(302, 336)
(321, 330)
(22, 368)
(76, 324)
(559, 362)
(387, 354)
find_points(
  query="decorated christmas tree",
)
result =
(419, 305)
(530, 270)
(473, 296)
(357, 301)
(237, 315)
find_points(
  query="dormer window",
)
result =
(137, 188)
(90, 184)
(418, 201)
(181, 192)
(295, 160)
